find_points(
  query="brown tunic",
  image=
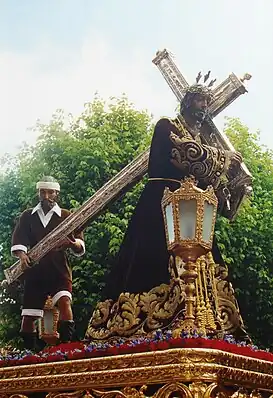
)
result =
(53, 273)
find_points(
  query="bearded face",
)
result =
(199, 107)
(48, 198)
(195, 105)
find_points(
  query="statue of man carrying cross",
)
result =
(187, 145)
(177, 151)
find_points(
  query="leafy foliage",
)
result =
(247, 243)
(83, 155)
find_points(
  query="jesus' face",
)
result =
(200, 102)
(199, 107)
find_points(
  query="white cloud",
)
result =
(33, 90)
(37, 84)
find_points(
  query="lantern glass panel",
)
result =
(170, 222)
(208, 221)
(48, 322)
(187, 218)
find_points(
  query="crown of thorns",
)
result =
(202, 89)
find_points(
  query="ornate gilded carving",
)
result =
(171, 388)
(240, 393)
(137, 313)
(207, 164)
(199, 389)
(127, 392)
(168, 366)
(76, 394)
(228, 306)
(18, 396)
(193, 390)
(215, 307)
(189, 323)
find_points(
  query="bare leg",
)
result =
(66, 323)
(64, 305)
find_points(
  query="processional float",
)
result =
(164, 362)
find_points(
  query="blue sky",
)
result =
(58, 53)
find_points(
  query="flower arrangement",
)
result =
(159, 341)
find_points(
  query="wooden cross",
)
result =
(228, 91)
(225, 93)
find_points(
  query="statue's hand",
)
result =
(68, 243)
(235, 157)
(24, 260)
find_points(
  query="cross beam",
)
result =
(132, 173)
(109, 192)
(224, 94)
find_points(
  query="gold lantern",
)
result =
(49, 323)
(189, 217)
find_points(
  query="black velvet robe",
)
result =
(142, 262)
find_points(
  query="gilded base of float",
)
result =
(191, 373)
(215, 311)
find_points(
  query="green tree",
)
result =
(247, 243)
(84, 154)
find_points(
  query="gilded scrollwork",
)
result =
(168, 368)
(207, 163)
(17, 396)
(201, 153)
(196, 389)
(169, 389)
(215, 307)
(183, 357)
(101, 312)
(76, 394)
(228, 306)
(135, 313)
(127, 392)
